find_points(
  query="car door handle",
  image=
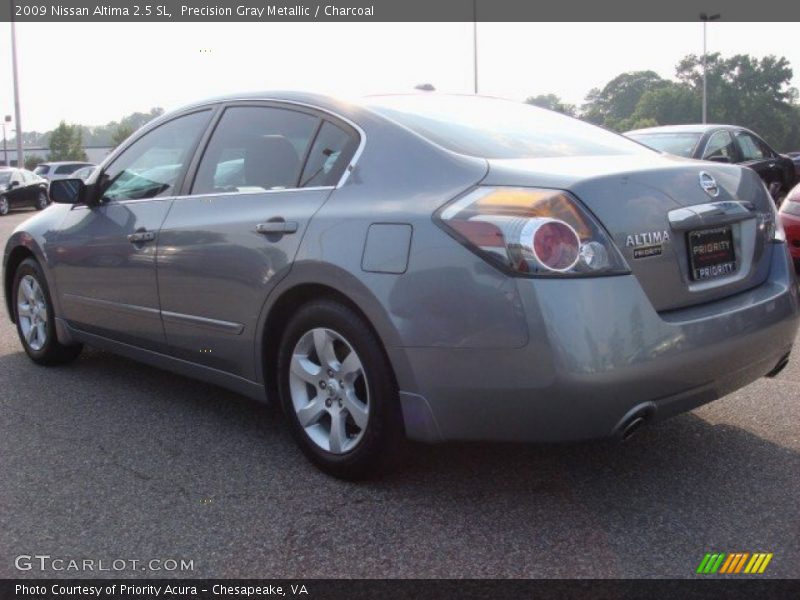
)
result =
(277, 227)
(139, 237)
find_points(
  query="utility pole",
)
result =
(20, 154)
(705, 18)
(7, 119)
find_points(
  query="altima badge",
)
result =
(709, 184)
(647, 244)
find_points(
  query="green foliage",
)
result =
(32, 161)
(742, 90)
(122, 133)
(552, 102)
(618, 99)
(66, 143)
(101, 135)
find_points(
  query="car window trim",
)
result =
(323, 113)
(180, 180)
(191, 175)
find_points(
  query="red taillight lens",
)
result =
(532, 232)
(555, 244)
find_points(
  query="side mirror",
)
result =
(719, 158)
(67, 191)
(13, 184)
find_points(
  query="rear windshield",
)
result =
(678, 143)
(41, 170)
(494, 128)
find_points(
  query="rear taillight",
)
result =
(532, 232)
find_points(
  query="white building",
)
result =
(95, 153)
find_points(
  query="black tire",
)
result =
(4, 207)
(41, 200)
(52, 351)
(381, 445)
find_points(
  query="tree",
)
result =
(32, 161)
(425, 87)
(618, 99)
(670, 104)
(552, 102)
(66, 143)
(748, 91)
(122, 133)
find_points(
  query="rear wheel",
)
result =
(41, 200)
(3, 206)
(33, 312)
(338, 392)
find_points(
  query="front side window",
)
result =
(720, 147)
(255, 148)
(494, 128)
(751, 149)
(331, 153)
(150, 166)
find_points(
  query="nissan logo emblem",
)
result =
(709, 184)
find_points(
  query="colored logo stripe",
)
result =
(734, 562)
(710, 563)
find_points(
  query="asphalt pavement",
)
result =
(106, 459)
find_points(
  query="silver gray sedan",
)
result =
(422, 266)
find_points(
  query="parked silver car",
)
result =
(422, 266)
(59, 170)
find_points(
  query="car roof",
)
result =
(688, 128)
(64, 162)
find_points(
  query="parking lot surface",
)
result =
(107, 459)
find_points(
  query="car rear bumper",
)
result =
(599, 355)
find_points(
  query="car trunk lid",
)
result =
(675, 221)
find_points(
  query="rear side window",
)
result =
(331, 153)
(255, 148)
(66, 169)
(151, 165)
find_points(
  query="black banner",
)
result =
(401, 589)
(395, 10)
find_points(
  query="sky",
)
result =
(93, 73)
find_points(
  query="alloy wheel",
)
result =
(32, 312)
(3, 205)
(329, 390)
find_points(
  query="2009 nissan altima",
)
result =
(415, 266)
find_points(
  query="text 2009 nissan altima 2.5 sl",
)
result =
(413, 266)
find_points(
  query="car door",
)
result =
(234, 234)
(16, 193)
(105, 254)
(757, 156)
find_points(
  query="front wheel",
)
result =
(338, 392)
(33, 312)
(4, 207)
(41, 200)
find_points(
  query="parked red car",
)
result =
(790, 217)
